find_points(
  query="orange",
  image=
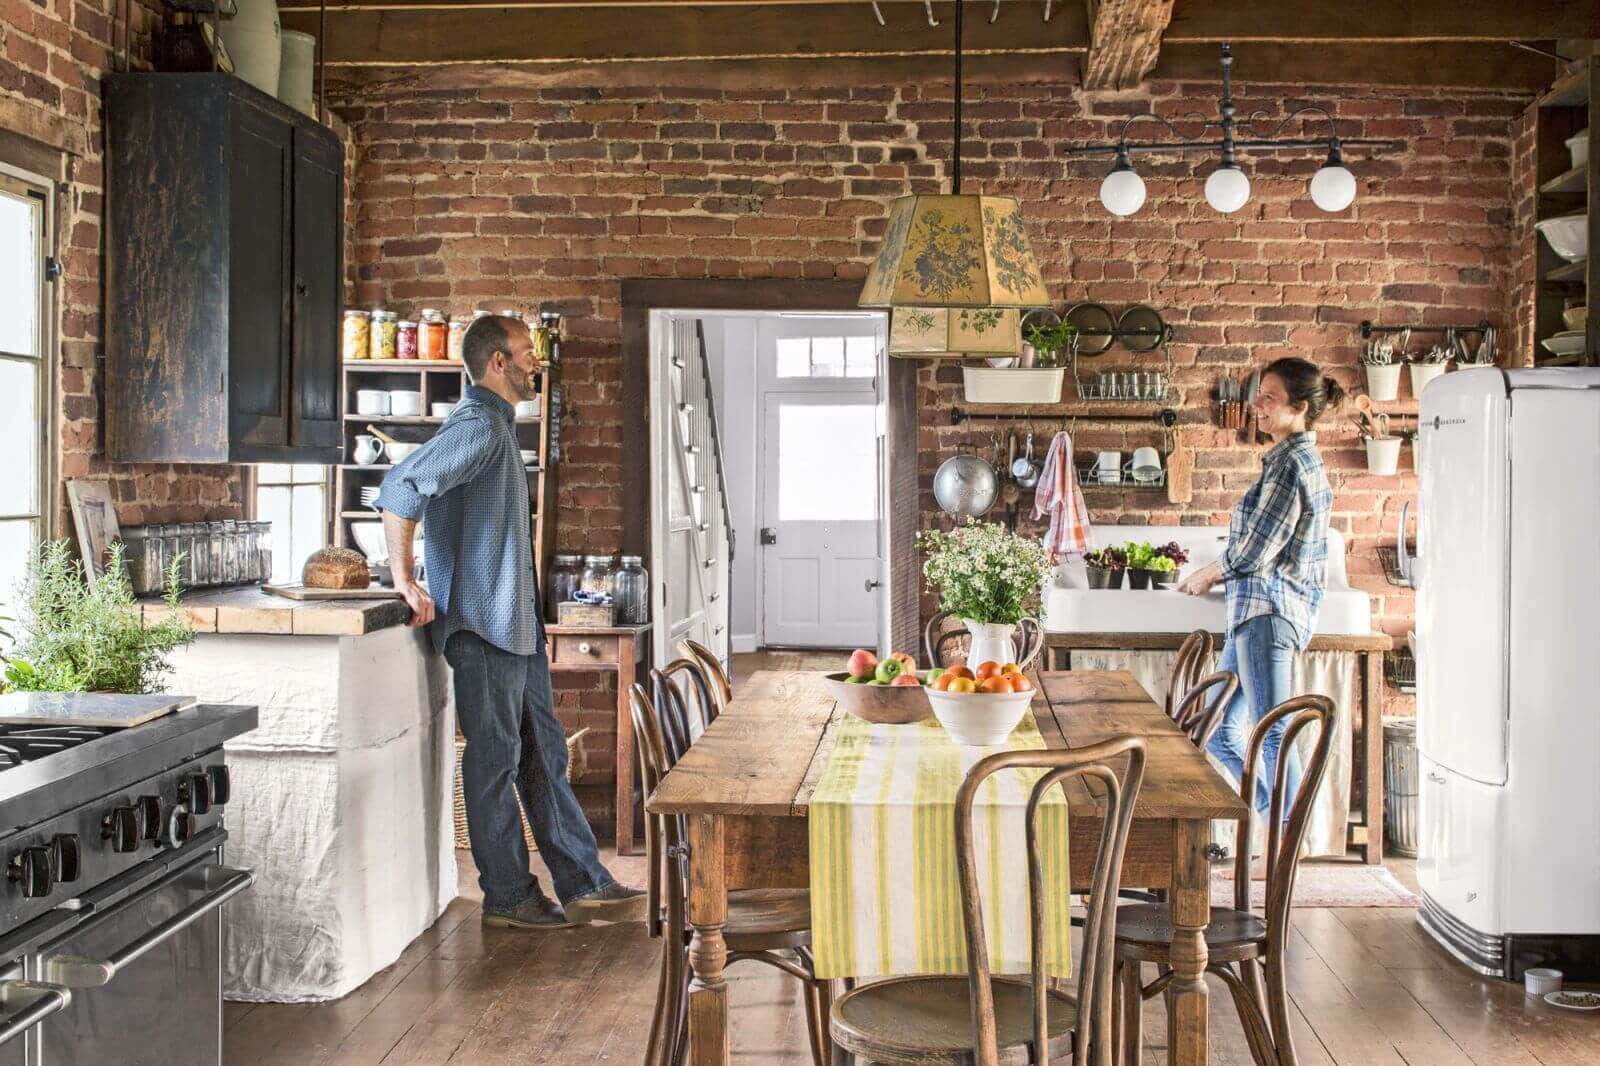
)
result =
(960, 684)
(988, 668)
(1011, 668)
(996, 683)
(957, 671)
(1020, 683)
(942, 682)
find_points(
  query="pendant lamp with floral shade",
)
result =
(955, 250)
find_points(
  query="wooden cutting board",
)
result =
(301, 592)
(105, 709)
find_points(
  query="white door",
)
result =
(822, 550)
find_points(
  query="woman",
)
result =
(1275, 567)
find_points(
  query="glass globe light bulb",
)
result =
(1122, 191)
(1333, 188)
(1227, 189)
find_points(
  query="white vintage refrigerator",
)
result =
(1508, 668)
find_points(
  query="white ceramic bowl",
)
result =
(1567, 235)
(979, 719)
(398, 450)
(442, 410)
(530, 456)
(527, 408)
(372, 402)
(1541, 980)
(1569, 343)
(405, 402)
(1578, 146)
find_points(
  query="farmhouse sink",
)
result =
(1072, 607)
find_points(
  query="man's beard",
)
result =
(521, 382)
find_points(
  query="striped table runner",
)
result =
(885, 894)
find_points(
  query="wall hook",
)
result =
(996, 12)
(1047, 10)
(927, 5)
(877, 13)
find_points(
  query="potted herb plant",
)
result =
(1038, 377)
(82, 636)
(1105, 567)
(989, 577)
(1166, 564)
(1139, 553)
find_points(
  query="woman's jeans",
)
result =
(516, 759)
(1261, 651)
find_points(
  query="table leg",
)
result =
(626, 654)
(1191, 911)
(708, 953)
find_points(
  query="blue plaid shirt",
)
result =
(1276, 561)
(470, 489)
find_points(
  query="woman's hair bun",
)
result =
(1334, 392)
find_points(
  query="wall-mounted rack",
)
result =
(1369, 328)
(1164, 416)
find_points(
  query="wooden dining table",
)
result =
(745, 786)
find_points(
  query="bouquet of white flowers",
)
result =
(985, 573)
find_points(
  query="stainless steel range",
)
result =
(110, 931)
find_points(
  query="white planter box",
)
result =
(1383, 381)
(984, 384)
(1383, 456)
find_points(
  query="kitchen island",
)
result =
(342, 793)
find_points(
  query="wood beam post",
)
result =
(1124, 41)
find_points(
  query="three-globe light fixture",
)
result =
(1333, 187)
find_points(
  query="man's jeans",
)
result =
(517, 748)
(1261, 651)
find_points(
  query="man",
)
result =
(469, 483)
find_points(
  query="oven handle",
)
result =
(77, 971)
(37, 1001)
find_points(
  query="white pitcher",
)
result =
(991, 641)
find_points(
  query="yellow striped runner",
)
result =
(885, 894)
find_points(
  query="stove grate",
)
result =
(24, 743)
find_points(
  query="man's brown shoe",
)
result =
(613, 903)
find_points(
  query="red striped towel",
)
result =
(1059, 496)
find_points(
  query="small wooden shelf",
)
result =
(420, 420)
(367, 466)
(1572, 359)
(1567, 273)
(437, 366)
(1569, 90)
(1575, 180)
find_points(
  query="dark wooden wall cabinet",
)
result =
(223, 268)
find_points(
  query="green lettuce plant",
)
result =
(1139, 554)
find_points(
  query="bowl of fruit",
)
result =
(980, 707)
(884, 692)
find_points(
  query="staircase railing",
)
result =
(714, 438)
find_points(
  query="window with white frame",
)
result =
(827, 357)
(293, 497)
(25, 343)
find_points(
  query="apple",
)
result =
(1011, 668)
(959, 671)
(855, 681)
(906, 680)
(862, 663)
(934, 674)
(995, 683)
(907, 663)
(1020, 683)
(987, 668)
(889, 669)
(879, 684)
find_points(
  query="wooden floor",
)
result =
(1370, 990)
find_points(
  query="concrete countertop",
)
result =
(246, 609)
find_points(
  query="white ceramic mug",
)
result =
(527, 408)
(442, 410)
(1108, 466)
(372, 402)
(1146, 464)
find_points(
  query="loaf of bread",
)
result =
(336, 568)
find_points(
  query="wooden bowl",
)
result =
(880, 704)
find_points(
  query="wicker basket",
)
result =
(577, 762)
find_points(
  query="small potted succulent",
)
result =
(1166, 564)
(1105, 566)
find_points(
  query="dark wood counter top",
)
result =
(246, 609)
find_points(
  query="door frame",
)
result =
(902, 518)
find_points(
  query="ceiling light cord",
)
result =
(955, 170)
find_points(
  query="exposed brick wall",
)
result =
(1524, 289)
(477, 197)
(52, 56)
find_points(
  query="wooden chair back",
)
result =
(1194, 658)
(944, 642)
(1093, 1035)
(1283, 837)
(1200, 711)
(721, 689)
(696, 692)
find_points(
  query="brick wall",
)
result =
(52, 55)
(475, 197)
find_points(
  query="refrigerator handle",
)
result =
(1408, 563)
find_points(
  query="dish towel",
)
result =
(1059, 496)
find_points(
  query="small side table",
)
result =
(625, 651)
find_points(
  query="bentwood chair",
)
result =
(981, 1020)
(945, 640)
(1199, 712)
(721, 691)
(1194, 656)
(772, 926)
(1245, 951)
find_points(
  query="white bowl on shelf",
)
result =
(979, 719)
(442, 410)
(1569, 342)
(527, 408)
(1578, 146)
(530, 456)
(405, 402)
(372, 402)
(399, 450)
(1568, 235)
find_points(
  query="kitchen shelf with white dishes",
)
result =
(407, 400)
(1567, 211)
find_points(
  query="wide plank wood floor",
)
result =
(1369, 988)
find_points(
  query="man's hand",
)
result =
(1200, 582)
(422, 608)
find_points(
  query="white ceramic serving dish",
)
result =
(1567, 343)
(1572, 999)
(369, 538)
(527, 408)
(979, 719)
(1567, 235)
(399, 450)
(530, 456)
(372, 402)
(441, 410)
(405, 402)
(1578, 146)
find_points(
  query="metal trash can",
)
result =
(1400, 786)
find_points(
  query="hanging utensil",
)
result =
(1018, 465)
(1030, 475)
(965, 485)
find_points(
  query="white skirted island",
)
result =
(342, 796)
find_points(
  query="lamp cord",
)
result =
(955, 170)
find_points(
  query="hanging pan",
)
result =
(1141, 329)
(1095, 327)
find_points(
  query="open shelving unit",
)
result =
(1564, 190)
(439, 381)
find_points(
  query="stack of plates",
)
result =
(1567, 342)
(369, 494)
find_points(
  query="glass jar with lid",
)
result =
(139, 551)
(357, 335)
(566, 577)
(633, 591)
(431, 335)
(599, 574)
(263, 539)
(384, 335)
(405, 339)
(456, 335)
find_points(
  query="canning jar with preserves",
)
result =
(357, 339)
(384, 340)
(405, 344)
(431, 335)
(457, 333)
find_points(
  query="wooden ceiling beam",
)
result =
(1124, 41)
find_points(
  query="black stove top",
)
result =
(24, 743)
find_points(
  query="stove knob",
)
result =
(177, 829)
(121, 827)
(31, 866)
(67, 859)
(150, 816)
(195, 793)
(221, 787)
